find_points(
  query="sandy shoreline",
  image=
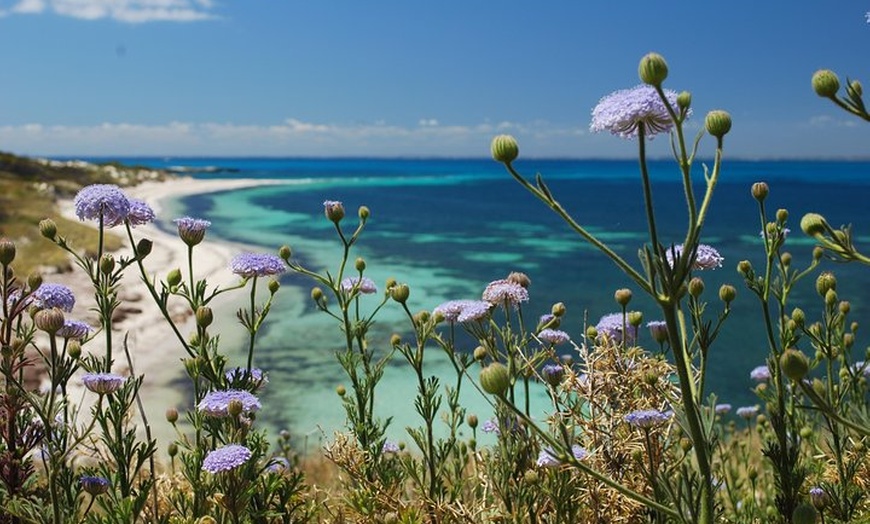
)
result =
(155, 351)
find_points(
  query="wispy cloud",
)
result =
(289, 137)
(129, 11)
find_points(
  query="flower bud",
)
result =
(480, 353)
(845, 307)
(143, 248)
(48, 228)
(685, 444)
(798, 316)
(94, 486)
(804, 514)
(825, 83)
(848, 340)
(173, 279)
(752, 473)
(172, 415)
(472, 421)
(531, 477)
(364, 213)
(781, 215)
(204, 316)
(360, 264)
(107, 264)
(172, 449)
(785, 258)
(7, 251)
(235, 407)
(400, 293)
(504, 149)
(635, 318)
(825, 282)
(340, 390)
(558, 309)
(49, 320)
(814, 224)
(74, 349)
(727, 293)
(333, 210)
(760, 190)
(718, 123)
(395, 340)
(622, 297)
(520, 279)
(696, 287)
(744, 267)
(591, 332)
(684, 100)
(285, 253)
(856, 88)
(495, 379)
(830, 297)
(273, 286)
(422, 317)
(794, 364)
(653, 69)
(316, 294)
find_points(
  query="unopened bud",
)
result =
(74, 349)
(172, 415)
(472, 421)
(521, 279)
(684, 100)
(504, 149)
(285, 253)
(814, 224)
(48, 228)
(480, 353)
(798, 316)
(622, 297)
(856, 88)
(744, 267)
(495, 379)
(173, 279)
(107, 264)
(49, 320)
(696, 287)
(558, 309)
(235, 407)
(360, 264)
(635, 318)
(34, 280)
(364, 213)
(653, 69)
(395, 340)
(727, 293)
(781, 215)
(830, 297)
(316, 294)
(340, 391)
(825, 282)
(400, 293)
(718, 123)
(825, 83)
(172, 449)
(204, 316)
(760, 190)
(143, 248)
(804, 514)
(333, 210)
(794, 364)
(7, 251)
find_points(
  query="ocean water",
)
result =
(448, 227)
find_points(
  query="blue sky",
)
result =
(410, 78)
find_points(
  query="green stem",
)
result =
(253, 330)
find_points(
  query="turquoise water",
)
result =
(448, 227)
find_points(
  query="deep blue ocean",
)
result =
(448, 227)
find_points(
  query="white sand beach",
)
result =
(155, 351)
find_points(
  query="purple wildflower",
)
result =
(48, 296)
(226, 458)
(94, 485)
(217, 403)
(490, 426)
(249, 265)
(103, 383)
(706, 257)
(819, 498)
(611, 327)
(463, 310)
(646, 418)
(74, 329)
(553, 336)
(104, 201)
(390, 447)
(334, 210)
(553, 374)
(547, 457)
(721, 409)
(861, 367)
(622, 112)
(549, 320)
(246, 377)
(140, 213)
(659, 330)
(504, 292)
(365, 285)
(760, 374)
(191, 230)
(278, 465)
(747, 412)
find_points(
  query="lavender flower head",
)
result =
(104, 201)
(553, 336)
(463, 310)
(622, 112)
(334, 210)
(747, 412)
(490, 426)
(246, 377)
(547, 457)
(48, 296)
(191, 230)
(706, 257)
(74, 329)
(760, 374)
(611, 326)
(278, 465)
(365, 285)
(103, 383)
(553, 374)
(249, 265)
(658, 329)
(390, 447)
(861, 366)
(721, 409)
(217, 403)
(647, 418)
(505, 292)
(226, 458)
(140, 213)
(94, 485)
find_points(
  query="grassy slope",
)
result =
(29, 190)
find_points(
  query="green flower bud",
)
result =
(7, 251)
(622, 297)
(204, 316)
(360, 264)
(558, 309)
(794, 364)
(848, 340)
(727, 293)
(798, 316)
(49, 320)
(48, 228)
(696, 287)
(172, 415)
(635, 318)
(760, 190)
(653, 69)
(172, 449)
(364, 213)
(285, 253)
(752, 473)
(530, 477)
(316, 294)
(504, 149)
(785, 258)
(34, 280)
(495, 379)
(830, 297)
(845, 307)
(825, 83)
(744, 267)
(235, 407)
(804, 514)
(480, 353)
(395, 340)
(814, 224)
(818, 252)
(273, 286)
(591, 332)
(781, 215)
(684, 100)
(74, 349)
(143, 248)
(686, 444)
(856, 88)
(825, 282)
(173, 279)
(521, 279)
(472, 421)
(107, 264)
(718, 123)
(400, 293)
(340, 390)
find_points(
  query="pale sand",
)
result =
(155, 350)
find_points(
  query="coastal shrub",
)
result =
(631, 433)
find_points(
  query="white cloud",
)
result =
(823, 121)
(291, 137)
(129, 11)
